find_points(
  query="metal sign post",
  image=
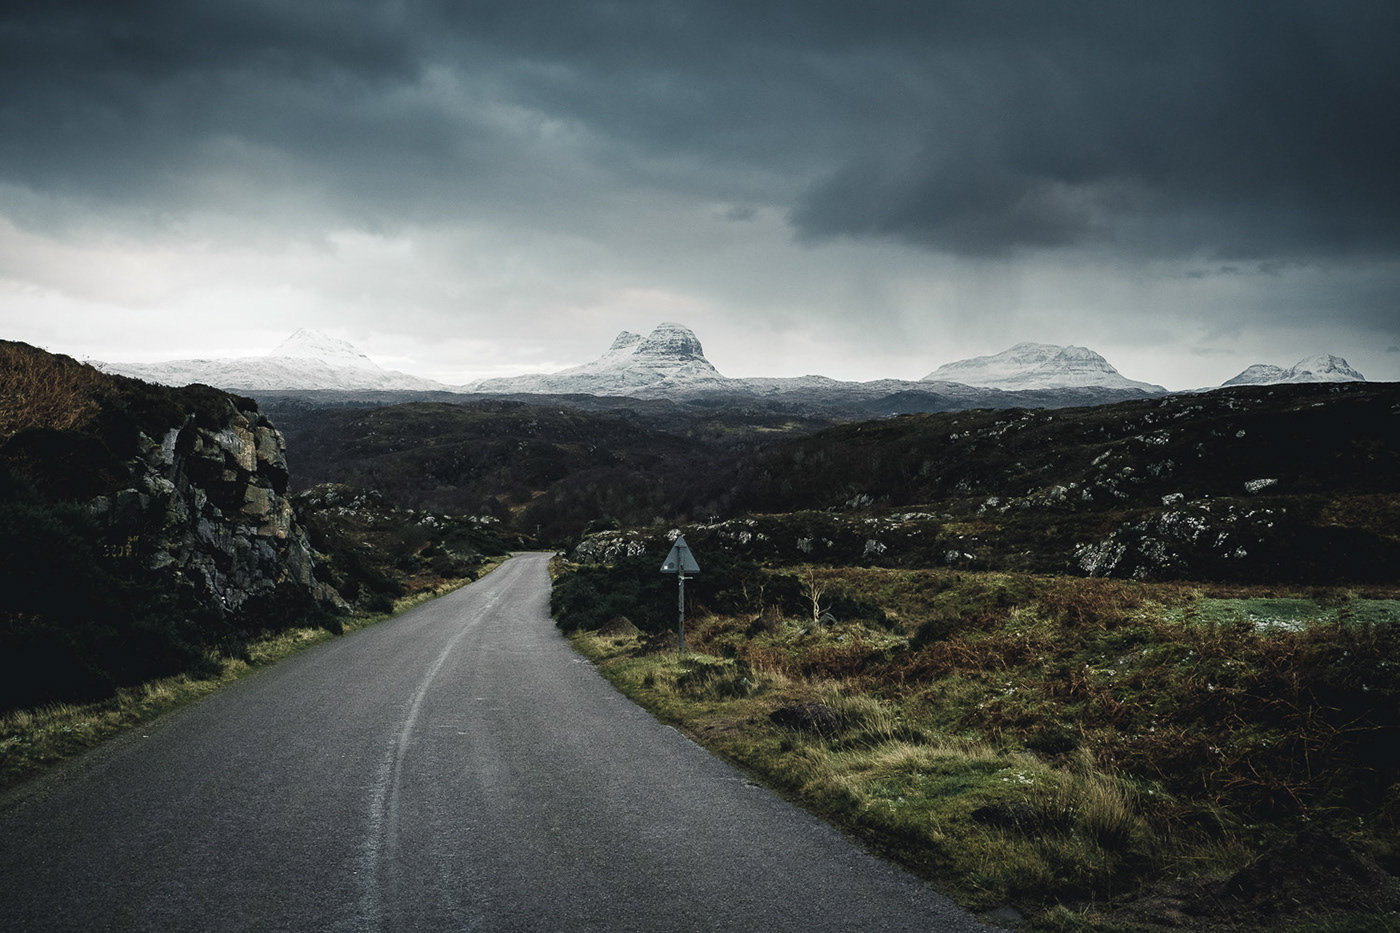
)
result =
(680, 562)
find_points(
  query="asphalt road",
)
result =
(457, 768)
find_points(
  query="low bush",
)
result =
(594, 594)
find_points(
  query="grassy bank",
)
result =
(34, 739)
(1071, 748)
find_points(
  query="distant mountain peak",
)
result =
(1324, 367)
(1327, 368)
(313, 345)
(307, 359)
(668, 359)
(671, 342)
(626, 341)
(1038, 366)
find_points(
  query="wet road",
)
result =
(457, 768)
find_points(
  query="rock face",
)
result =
(144, 531)
(670, 343)
(1321, 368)
(1038, 366)
(207, 508)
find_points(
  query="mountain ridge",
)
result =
(1038, 366)
(1323, 367)
(307, 360)
(669, 360)
(669, 363)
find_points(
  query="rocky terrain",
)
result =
(143, 526)
(1247, 484)
(373, 551)
(1297, 483)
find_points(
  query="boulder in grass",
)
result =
(805, 717)
(619, 627)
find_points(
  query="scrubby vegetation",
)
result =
(373, 552)
(1250, 484)
(1062, 745)
(550, 472)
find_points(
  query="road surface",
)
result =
(457, 768)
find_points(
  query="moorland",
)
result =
(1117, 667)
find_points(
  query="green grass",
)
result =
(34, 739)
(1051, 743)
(907, 790)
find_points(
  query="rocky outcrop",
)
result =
(145, 531)
(207, 507)
(670, 343)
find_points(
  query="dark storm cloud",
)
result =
(179, 106)
(1238, 131)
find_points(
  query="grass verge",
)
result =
(35, 739)
(1063, 746)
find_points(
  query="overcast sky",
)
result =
(859, 190)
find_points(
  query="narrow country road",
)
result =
(458, 768)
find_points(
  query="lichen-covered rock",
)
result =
(1189, 539)
(208, 507)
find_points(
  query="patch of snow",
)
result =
(305, 360)
(1038, 366)
(1323, 367)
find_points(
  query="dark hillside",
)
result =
(1307, 439)
(550, 471)
(1259, 484)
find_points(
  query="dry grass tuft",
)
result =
(41, 390)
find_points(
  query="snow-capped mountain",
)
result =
(669, 363)
(668, 360)
(314, 345)
(306, 360)
(1037, 366)
(1321, 368)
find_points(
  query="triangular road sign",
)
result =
(680, 560)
